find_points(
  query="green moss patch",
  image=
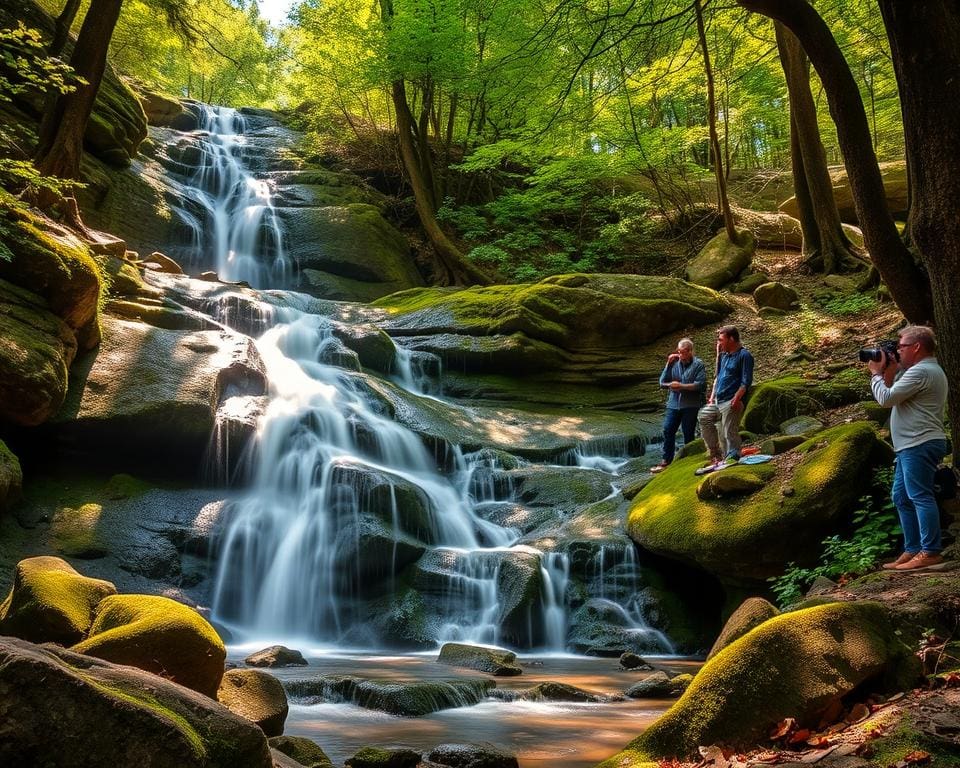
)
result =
(774, 402)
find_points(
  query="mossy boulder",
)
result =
(568, 311)
(306, 752)
(61, 708)
(659, 685)
(745, 539)
(773, 446)
(50, 602)
(794, 665)
(257, 696)
(471, 756)
(376, 757)
(51, 262)
(493, 661)
(159, 635)
(777, 296)
(36, 350)
(553, 691)
(11, 478)
(348, 252)
(773, 402)
(720, 260)
(276, 656)
(751, 613)
(76, 531)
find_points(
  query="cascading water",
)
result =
(234, 225)
(349, 518)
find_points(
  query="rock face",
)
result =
(491, 660)
(107, 714)
(149, 396)
(50, 602)
(773, 402)
(746, 538)
(158, 635)
(721, 261)
(794, 665)
(256, 696)
(894, 186)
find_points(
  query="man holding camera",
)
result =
(730, 385)
(917, 397)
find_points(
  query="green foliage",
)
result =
(852, 304)
(24, 66)
(875, 531)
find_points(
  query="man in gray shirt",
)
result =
(917, 397)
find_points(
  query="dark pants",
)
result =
(686, 418)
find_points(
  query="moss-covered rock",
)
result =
(36, 350)
(159, 635)
(257, 696)
(11, 478)
(50, 602)
(794, 665)
(61, 708)
(352, 248)
(753, 537)
(376, 757)
(494, 661)
(471, 756)
(774, 446)
(569, 311)
(306, 752)
(777, 296)
(720, 260)
(659, 685)
(751, 613)
(75, 531)
(773, 402)
(553, 691)
(53, 263)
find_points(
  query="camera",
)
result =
(873, 354)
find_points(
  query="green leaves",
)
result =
(26, 67)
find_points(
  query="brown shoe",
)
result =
(906, 557)
(921, 560)
(659, 467)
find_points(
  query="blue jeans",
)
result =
(913, 495)
(673, 418)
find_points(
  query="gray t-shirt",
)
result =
(918, 397)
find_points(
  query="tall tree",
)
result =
(825, 246)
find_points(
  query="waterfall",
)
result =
(349, 522)
(233, 222)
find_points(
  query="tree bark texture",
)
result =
(925, 47)
(908, 283)
(825, 246)
(722, 198)
(60, 155)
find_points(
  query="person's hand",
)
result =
(736, 404)
(673, 358)
(878, 366)
(674, 385)
(710, 399)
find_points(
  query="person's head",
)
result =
(728, 338)
(685, 350)
(916, 343)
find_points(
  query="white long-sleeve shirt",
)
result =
(918, 398)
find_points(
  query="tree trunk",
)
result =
(62, 27)
(722, 198)
(825, 246)
(925, 48)
(455, 268)
(60, 155)
(908, 283)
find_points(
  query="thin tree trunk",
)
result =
(908, 284)
(722, 198)
(61, 32)
(61, 155)
(825, 246)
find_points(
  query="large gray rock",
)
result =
(150, 396)
(64, 709)
(494, 661)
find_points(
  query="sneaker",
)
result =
(921, 560)
(721, 464)
(659, 467)
(906, 557)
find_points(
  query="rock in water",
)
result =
(276, 656)
(257, 696)
(374, 757)
(471, 756)
(494, 661)
(61, 708)
(301, 749)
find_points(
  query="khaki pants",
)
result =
(725, 442)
